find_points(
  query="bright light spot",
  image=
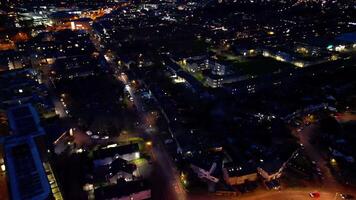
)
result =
(333, 161)
(111, 145)
(80, 150)
(137, 155)
(127, 87)
(88, 187)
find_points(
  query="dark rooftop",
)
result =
(27, 177)
(121, 189)
(234, 169)
(24, 120)
(112, 151)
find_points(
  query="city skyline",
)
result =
(177, 99)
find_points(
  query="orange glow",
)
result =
(20, 37)
(68, 25)
(93, 14)
(7, 46)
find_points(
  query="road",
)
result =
(164, 162)
(168, 172)
(290, 194)
(285, 194)
(329, 183)
(316, 155)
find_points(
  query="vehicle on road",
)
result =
(314, 195)
(347, 196)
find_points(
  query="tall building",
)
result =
(24, 156)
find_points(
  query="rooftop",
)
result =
(26, 174)
(118, 150)
(234, 169)
(121, 189)
(24, 120)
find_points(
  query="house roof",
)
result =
(24, 120)
(235, 169)
(118, 150)
(120, 164)
(272, 166)
(27, 177)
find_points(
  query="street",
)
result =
(164, 162)
(175, 191)
(329, 183)
(315, 154)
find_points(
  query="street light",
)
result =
(333, 161)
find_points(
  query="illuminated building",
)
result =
(24, 153)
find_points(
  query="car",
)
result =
(314, 195)
(95, 136)
(347, 196)
(168, 141)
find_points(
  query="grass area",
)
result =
(95, 103)
(139, 161)
(252, 66)
(191, 46)
(260, 65)
(228, 56)
(197, 75)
